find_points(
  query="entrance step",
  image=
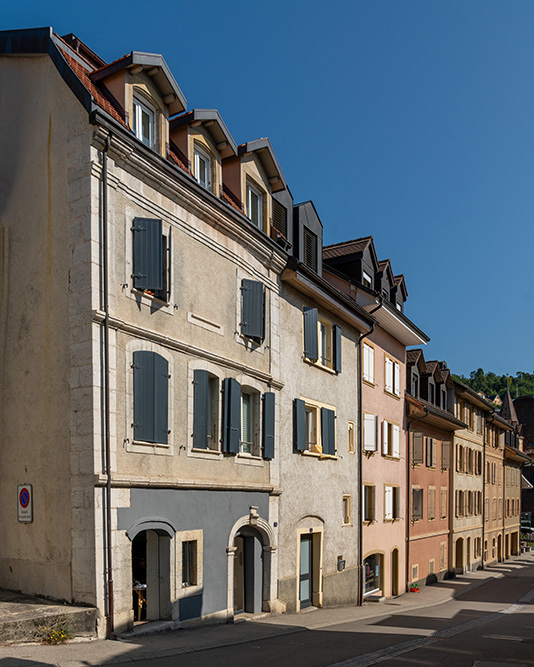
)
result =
(28, 618)
(374, 598)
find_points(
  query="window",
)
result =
(314, 428)
(431, 392)
(392, 377)
(391, 503)
(205, 410)
(279, 217)
(460, 458)
(351, 437)
(151, 265)
(391, 439)
(431, 503)
(479, 421)
(151, 400)
(202, 167)
(368, 363)
(143, 122)
(431, 566)
(252, 310)
(369, 503)
(309, 257)
(322, 341)
(367, 280)
(240, 424)
(443, 395)
(189, 563)
(370, 432)
(431, 452)
(347, 510)
(248, 441)
(442, 555)
(443, 503)
(417, 504)
(415, 385)
(255, 205)
(460, 507)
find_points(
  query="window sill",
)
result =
(150, 296)
(321, 366)
(196, 452)
(369, 383)
(369, 452)
(369, 522)
(390, 457)
(141, 447)
(347, 525)
(248, 459)
(389, 393)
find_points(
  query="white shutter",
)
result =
(366, 362)
(389, 375)
(385, 445)
(369, 433)
(388, 503)
(396, 441)
(397, 379)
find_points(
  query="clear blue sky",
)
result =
(411, 120)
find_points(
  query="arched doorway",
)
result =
(395, 572)
(459, 561)
(468, 554)
(499, 548)
(248, 571)
(251, 560)
(151, 555)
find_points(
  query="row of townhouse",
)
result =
(205, 412)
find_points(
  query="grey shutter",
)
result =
(161, 399)
(417, 448)
(252, 308)
(147, 254)
(328, 431)
(299, 424)
(143, 374)
(337, 348)
(231, 428)
(151, 397)
(268, 425)
(201, 409)
(311, 343)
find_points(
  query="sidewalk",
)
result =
(166, 644)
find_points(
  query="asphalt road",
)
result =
(491, 625)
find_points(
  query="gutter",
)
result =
(107, 441)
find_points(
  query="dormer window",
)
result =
(202, 167)
(367, 280)
(255, 206)
(143, 122)
(310, 249)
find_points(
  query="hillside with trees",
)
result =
(520, 384)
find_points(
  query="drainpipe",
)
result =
(360, 454)
(408, 496)
(487, 420)
(105, 279)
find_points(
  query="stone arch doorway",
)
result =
(251, 561)
(394, 572)
(459, 560)
(151, 570)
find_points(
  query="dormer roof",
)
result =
(416, 358)
(351, 249)
(154, 65)
(400, 283)
(384, 266)
(211, 120)
(263, 149)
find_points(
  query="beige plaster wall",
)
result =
(313, 488)
(44, 201)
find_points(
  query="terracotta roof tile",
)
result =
(230, 201)
(97, 95)
(113, 63)
(174, 158)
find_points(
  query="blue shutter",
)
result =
(311, 343)
(337, 348)
(147, 254)
(161, 399)
(268, 425)
(151, 400)
(299, 424)
(231, 426)
(201, 409)
(143, 373)
(328, 431)
(252, 313)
